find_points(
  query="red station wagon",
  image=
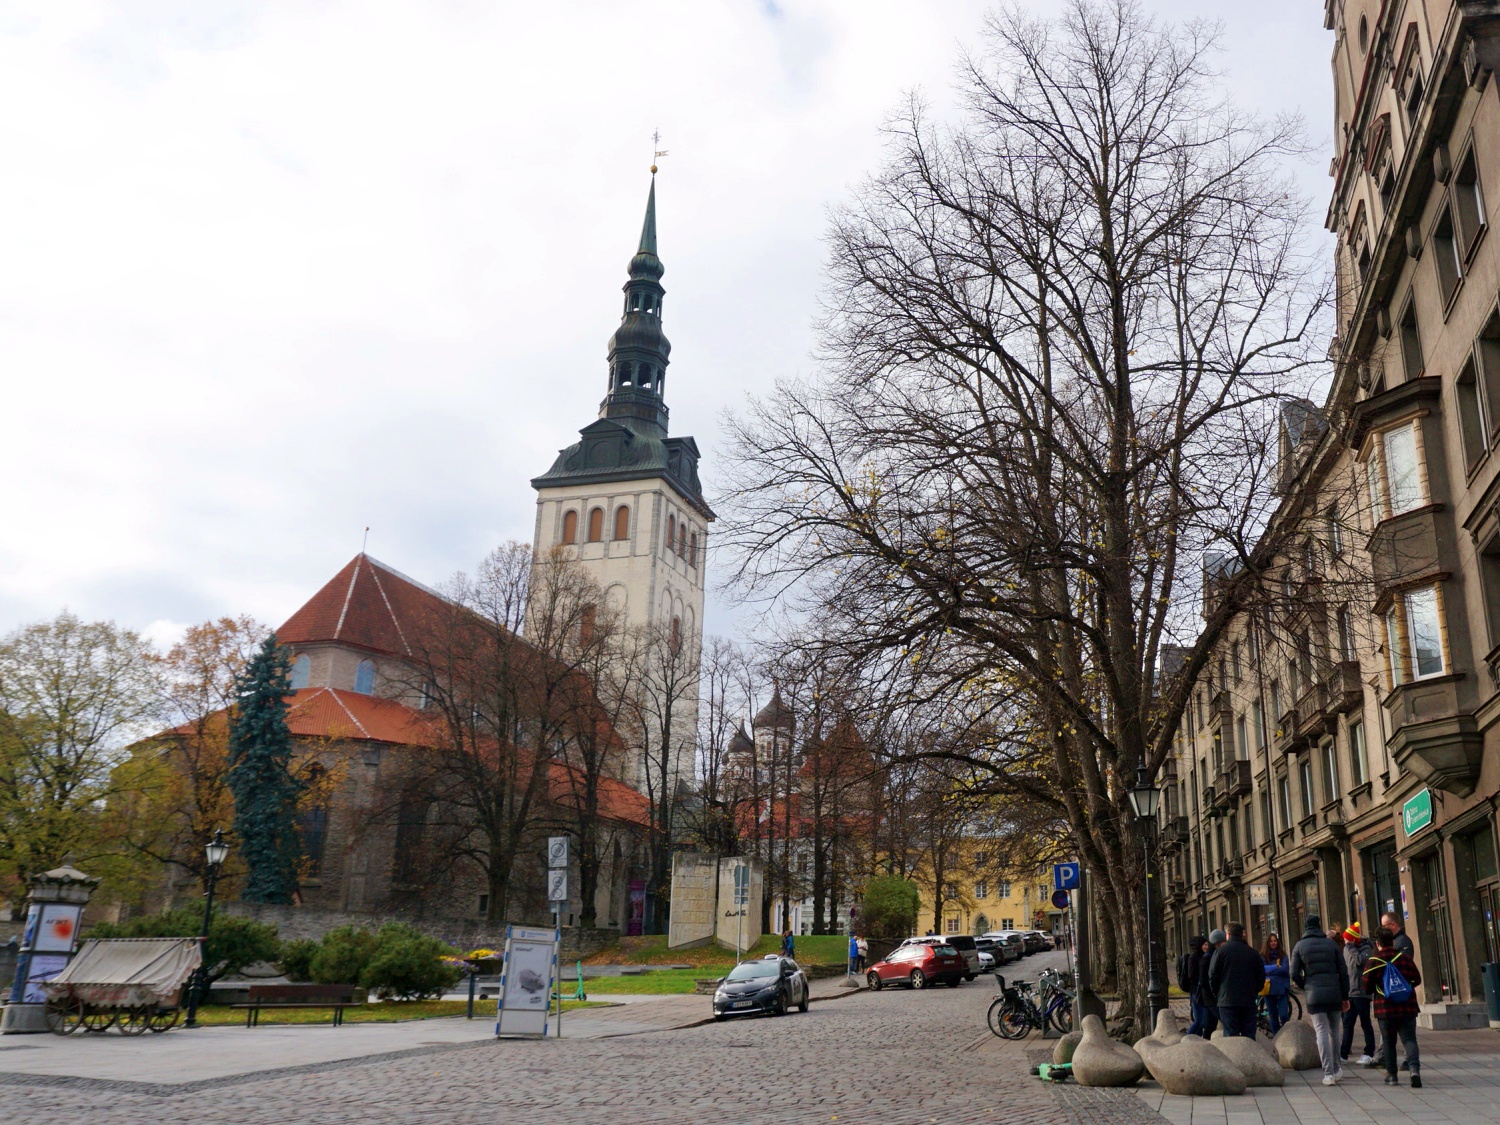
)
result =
(919, 966)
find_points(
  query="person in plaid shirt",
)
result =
(1397, 1017)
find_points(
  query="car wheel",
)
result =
(971, 976)
(955, 982)
(872, 978)
(806, 1000)
(719, 1017)
(780, 1009)
(918, 979)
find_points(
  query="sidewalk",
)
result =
(214, 1055)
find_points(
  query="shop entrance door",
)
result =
(1385, 883)
(1437, 927)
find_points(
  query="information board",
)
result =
(526, 980)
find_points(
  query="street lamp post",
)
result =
(1145, 799)
(216, 852)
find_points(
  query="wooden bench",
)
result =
(335, 996)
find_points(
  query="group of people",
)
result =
(1342, 974)
(859, 954)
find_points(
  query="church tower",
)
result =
(625, 499)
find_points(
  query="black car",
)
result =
(771, 986)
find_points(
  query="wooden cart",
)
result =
(133, 984)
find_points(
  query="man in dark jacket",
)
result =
(1236, 974)
(1194, 981)
(1318, 969)
(1401, 943)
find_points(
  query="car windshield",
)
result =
(945, 951)
(754, 970)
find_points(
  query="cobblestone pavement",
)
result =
(894, 1057)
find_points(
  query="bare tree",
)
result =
(1059, 333)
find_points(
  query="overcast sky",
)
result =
(273, 272)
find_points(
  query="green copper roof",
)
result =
(648, 228)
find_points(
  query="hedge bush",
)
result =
(233, 941)
(395, 962)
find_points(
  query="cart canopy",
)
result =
(128, 972)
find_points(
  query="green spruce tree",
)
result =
(265, 792)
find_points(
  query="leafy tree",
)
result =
(260, 777)
(297, 957)
(889, 909)
(72, 695)
(408, 965)
(342, 956)
(233, 942)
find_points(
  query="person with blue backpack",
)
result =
(1391, 977)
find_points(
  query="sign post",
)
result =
(557, 894)
(1416, 814)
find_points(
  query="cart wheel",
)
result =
(164, 1019)
(134, 1021)
(64, 1016)
(98, 1019)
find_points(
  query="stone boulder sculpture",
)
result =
(1062, 1052)
(1186, 1064)
(1297, 1046)
(1099, 1061)
(1254, 1060)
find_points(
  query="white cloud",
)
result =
(273, 272)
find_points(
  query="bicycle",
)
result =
(1263, 1014)
(1015, 1013)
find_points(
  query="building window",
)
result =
(484, 905)
(1346, 634)
(1305, 776)
(301, 672)
(1241, 747)
(1359, 766)
(981, 889)
(952, 924)
(1414, 90)
(1413, 364)
(1267, 818)
(364, 678)
(676, 635)
(1468, 204)
(588, 622)
(1395, 472)
(1330, 771)
(622, 522)
(596, 525)
(1446, 256)
(682, 540)
(570, 527)
(693, 550)
(1260, 724)
(1284, 801)
(1414, 635)
(1234, 660)
(671, 533)
(1002, 890)
(1335, 533)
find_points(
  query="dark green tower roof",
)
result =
(629, 441)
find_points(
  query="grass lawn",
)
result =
(829, 949)
(663, 982)
(391, 1011)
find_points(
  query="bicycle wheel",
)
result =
(1014, 1022)
(997, 1008)
(1296, 1006)
(1060, 1015)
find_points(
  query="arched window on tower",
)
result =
(588, 622)
(301, 672)
(364, 678)
(622, 375)
(622, 522)
(596, 525)
(671, 533)
(570, 526)
(646, 376)
(676, 635)
(693, 550)
(682, 540)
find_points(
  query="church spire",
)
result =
(639, 351)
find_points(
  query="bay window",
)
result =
(1414, 635)
(1394, 472)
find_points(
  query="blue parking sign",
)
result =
(1065, 876)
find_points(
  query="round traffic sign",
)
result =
(1060, 899)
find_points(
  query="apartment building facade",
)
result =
(1341, 755)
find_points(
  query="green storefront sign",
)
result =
(1416, 814)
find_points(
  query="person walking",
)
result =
(1205, 1004)
(1356, 951)
(1396, 1007)
(1189, 968)
(788, 945)
(1318, 969)
(1402, 944)
(1278, 981)
(853, 953)
(1236, 975)
(863, 955)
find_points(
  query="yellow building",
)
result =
(978, 898)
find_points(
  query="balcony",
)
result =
(1178, 830)
(1312, 713)
(1287, 739)
(1234, 782)
(1346, 691)
(1434, 736)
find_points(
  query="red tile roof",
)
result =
(367, 605)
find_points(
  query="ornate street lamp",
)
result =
(1145, 799)
(216, 852)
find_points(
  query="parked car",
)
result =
(961, 942)
(919, 965)
(1013, 939)
(770, 986)
(1004, 952)
(1044, 940)
(986, 961)
(1035, 943)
